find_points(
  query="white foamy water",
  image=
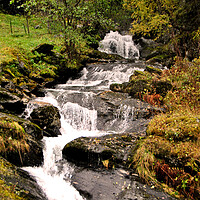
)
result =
(54, 181)
(123, 45)
(76, 121)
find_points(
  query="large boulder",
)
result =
(116, 184)
(107, 151)
(44, 48)
(20, 141)
(47, 117)
(102, 168)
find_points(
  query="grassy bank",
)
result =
(170, 154)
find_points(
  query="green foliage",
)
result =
(176, 18)
(74, 19)
(169, 156)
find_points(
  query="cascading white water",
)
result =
(54, 181)
(76, 121)
(78, 117)
(114, 43)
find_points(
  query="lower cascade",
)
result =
(123, 45)
(78, 118)
(87, 111)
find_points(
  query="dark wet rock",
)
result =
(106, 151)
(44, 48)
(47, 117)
(98, 56)
(113, 185)
(145, 46)
(116, 87)
(22, 182)
(8, 85)
(49, 82)
(23, 68)
(38, 91)
(11, 102)
(118, 112)
(31, 157)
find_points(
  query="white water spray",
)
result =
(54, 176)
(114, 43)
(76, 121)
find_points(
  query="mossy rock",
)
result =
(20, 141)
(140, 75)
(162, 87)
(151, 69)
(17, 184)
(96, 56)
(115, 87)
(48, 118)
(138, 87)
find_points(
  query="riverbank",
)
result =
(166, 155)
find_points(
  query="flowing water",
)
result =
(123, 45)
(78, 118)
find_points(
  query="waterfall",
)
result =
(114, 43)
(54, 175)
(78, 118)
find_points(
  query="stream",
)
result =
(78, 116)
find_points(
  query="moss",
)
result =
(153, 70)
(8, 189)
(12, 137)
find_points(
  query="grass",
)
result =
(169, 156)
(21, 39)
(16, 47)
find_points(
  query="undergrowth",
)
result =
(169, 156)
(13, 138)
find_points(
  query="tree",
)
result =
(179, 19)
(78, 21)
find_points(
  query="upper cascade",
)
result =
(123, 45)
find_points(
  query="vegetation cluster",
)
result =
(169, 155)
